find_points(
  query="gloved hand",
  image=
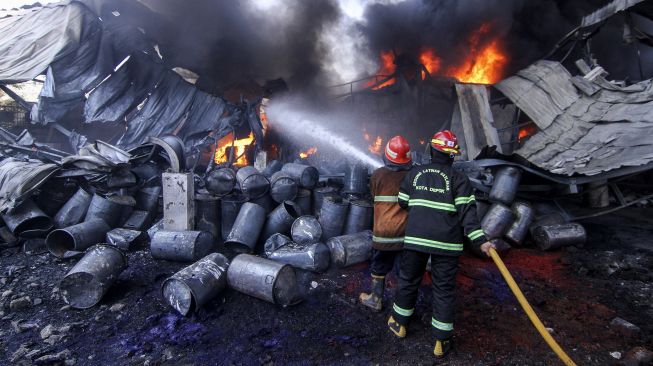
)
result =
(485, 247)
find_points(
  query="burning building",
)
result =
(164, 165)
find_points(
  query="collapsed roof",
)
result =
(112, 74)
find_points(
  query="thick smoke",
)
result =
(321, 42)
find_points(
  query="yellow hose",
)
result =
(529, 310)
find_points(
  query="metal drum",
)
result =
(550, 237)
(348, 250)
(246, 229)
(221, 181)
(77, 237)
(207, 214)
(266, 202)
(252, 183)
(283, 187)
(310, 257)
(525, 215)
(114, 210)
(180, 246)
(333, 216)
(27, 217)
(86, 283)
(318, 197)
(230, 206)
(303, 199)
(504, 188)
(497, 221)
(125, 239)
(305, 175)
(306, 230)
(280, 220)
(355, 179)
(359, 218)
(195, 285)
(264, 279)
(272, 167)
(147, 199)
(74, 210)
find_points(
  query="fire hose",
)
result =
(529, 310)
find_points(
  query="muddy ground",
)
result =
(577, 292)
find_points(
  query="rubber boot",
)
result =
(442, 347)
(396, 328)
(374, 300)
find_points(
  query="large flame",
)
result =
(239, 146)
(375, 144)
(387, 69)
(484, 63)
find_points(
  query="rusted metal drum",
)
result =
(181, 246)
(252, 183)
(551, 237)
(246, 229)
(333, 216)
(86, 283)
(359, 218)
(221, 181)
(280, 220)
(306, 230)
(355, 179)
(348, 250)
(303, 199)
(497, 221)
(283, 187)
(305, 175)
(318, 197)
(310, 257)
(264, 279)
(230, 206)
(504, 188)
(524, 216)
(207, 214)
(76, 238)
(194, 286)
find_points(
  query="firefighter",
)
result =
(441, 211)
(389, 217)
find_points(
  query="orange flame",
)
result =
(387, 69)
(221, 155)
(526, 131)
(484, 64)
(307, 153)
(430, 60)
(375, 145)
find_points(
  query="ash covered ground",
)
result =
(577, 292)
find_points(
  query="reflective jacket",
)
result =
(389, 217)
(441, 209)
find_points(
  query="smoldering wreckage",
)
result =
(153, 234)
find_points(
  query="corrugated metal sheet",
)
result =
(586, 127)
(473, 122)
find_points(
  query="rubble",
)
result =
(624, 327)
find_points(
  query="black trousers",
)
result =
(443, 277)
(383, 261)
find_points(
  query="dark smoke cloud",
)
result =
(528, 29)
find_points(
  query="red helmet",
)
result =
(446, 142)
(397, 150)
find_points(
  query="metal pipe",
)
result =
(306, 230)
(264, 279)
(195, 285)
(73, 211)
(76, 237)
(86, 283)
(246, 229)
(348, 250)
(181, 246)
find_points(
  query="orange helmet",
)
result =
(397, 150)
(446, 142)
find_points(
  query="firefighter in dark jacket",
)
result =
(441, 211)
(389, 217)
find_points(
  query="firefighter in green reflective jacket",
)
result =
(441, 212)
